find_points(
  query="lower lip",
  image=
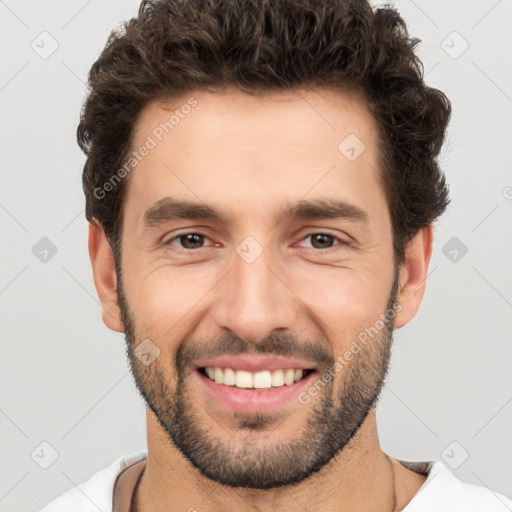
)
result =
(243, 400)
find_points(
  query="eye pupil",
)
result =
(195, 240)
(323, 239)
(191, 238)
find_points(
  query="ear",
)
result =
(105, 278)
(413, 275)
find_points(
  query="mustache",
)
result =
(275, 344)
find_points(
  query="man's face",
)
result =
(271, 291)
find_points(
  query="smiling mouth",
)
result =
(254, 381)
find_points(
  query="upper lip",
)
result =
(255, 363)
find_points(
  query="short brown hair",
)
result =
(174, 46)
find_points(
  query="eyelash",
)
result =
(341, 242)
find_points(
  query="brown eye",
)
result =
(324, 242)
(189, 240)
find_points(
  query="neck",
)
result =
(361, 478)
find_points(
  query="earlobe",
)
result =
(413, 275)
(105, 278)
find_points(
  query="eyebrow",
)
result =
(169, 208)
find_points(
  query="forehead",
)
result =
(239, 119)
(232, 146)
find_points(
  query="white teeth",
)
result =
(258, 380)
(219, 375)
(243, 379)
(277, 378)
(229, 377)
(262, 380)
(289, 377)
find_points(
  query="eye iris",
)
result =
(195, 240)
(191, 238)
(322, 237)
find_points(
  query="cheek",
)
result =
(345, 301)
(167, 301)
(164, 299)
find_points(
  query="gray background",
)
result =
(64, 377)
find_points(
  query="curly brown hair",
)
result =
(174, 46)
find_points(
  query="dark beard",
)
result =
(335, 415)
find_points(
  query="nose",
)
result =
(254, 299)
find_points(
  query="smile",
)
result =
(252, 399)
(254, 380)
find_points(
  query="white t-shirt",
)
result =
(442, 491)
